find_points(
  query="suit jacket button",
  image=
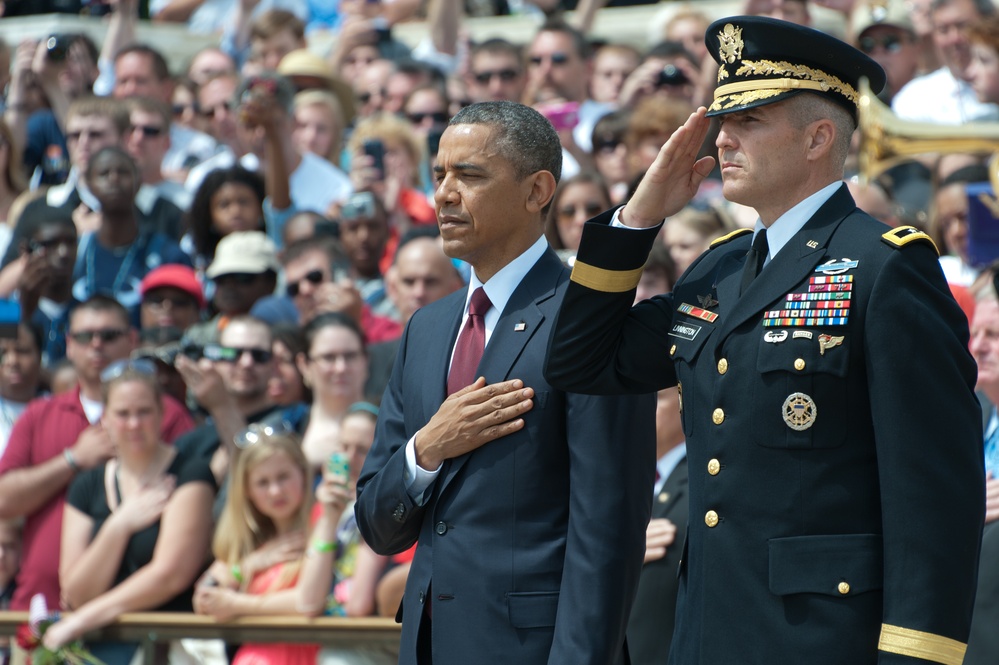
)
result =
(722, 366)
(399, 513)
(714, 466)
(718, 416)
(422, 598)
(711, 519)
(441, 528)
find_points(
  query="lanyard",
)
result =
(137, 246)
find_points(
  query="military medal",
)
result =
(828, 342)
(799, 411)
(837, 266)
(697, 312)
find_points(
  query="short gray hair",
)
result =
(806, 108)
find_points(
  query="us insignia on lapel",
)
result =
(697, 313)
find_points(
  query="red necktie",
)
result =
(471, 343)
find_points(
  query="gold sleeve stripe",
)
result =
(917, 644)
(608, 281)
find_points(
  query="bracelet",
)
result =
(237, 573)
(71, 460)
(323, 546)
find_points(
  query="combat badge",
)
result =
(802, 334)
(828, 342)
(799, 411)
(837, 266)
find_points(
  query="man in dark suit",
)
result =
(833, 435)
(650, 628)
(530, 519)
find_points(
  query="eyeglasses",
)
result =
(257, 432)
(330, 359)
(213, 111)
(119, 367)
(505, 75)
(313, 277)
(148, 131)
(181, 109)
(439, 117)
(233, 354)
(557, 59)
(159, 301)
(590, 209)
(238, 278)
(105, 335)
(890, 43)
(606, 147)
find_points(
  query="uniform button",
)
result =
(672, 349)
(714, 466)
(843, 588)
(799, 364)
(718, 416)
(722, 366)
(441, 528)
(711, 519)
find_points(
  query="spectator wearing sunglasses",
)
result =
(172, 297)
(147, 141)
(884, 31)
(496, 72)
(426, 108)
(230, 382)
(60, 436)
(309, 269)
(244, 271)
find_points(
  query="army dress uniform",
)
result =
(833, 435)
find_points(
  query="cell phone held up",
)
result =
(338, 467)
(375, 149)
(563, 115)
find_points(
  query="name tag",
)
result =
(687, 331)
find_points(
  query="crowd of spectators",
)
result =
(214, 265)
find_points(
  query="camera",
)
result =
(670, 75)
(358, 206)
(57, 47)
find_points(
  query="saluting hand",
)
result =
(674, 177)
(470, 418)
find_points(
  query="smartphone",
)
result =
(562, 116)
(359, 205)
(376, 150)
(339, 466)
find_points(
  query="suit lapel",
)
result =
(792, 264)
(439, 355)
(518, 324)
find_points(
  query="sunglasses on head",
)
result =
(313, 277)
(505, 75)
(557, 58)
(257, 432)
(232, 354)
(106, 335)
(119, 367)
(890, 43)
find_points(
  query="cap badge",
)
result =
(729, 48)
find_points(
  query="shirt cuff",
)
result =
(617, 223)
(417, 479)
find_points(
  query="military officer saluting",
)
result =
(833, 435)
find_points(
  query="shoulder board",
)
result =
(903, 235)
(728, 237)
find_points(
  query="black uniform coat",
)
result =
(532, 544)
(851, 540)
(650, 628)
